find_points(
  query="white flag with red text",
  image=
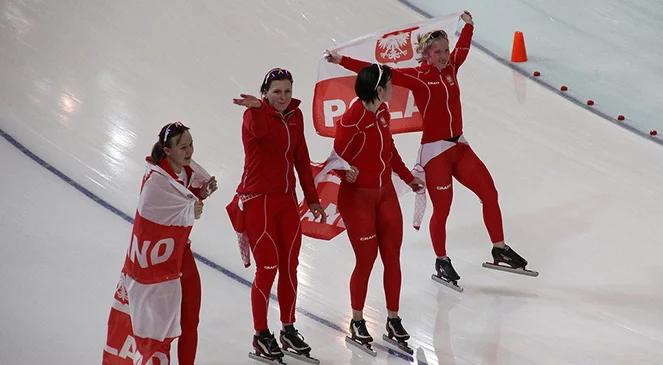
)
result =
(334, 89)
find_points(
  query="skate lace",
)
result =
(270, 342)
(296, 338)
(446, 268)
(397, 326)
(361, 328)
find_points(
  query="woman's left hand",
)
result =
(317, 211)
(467, 17)
(210, 187)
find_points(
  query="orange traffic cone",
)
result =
(518, 53)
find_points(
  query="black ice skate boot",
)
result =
(445, 270)
(445, 274)
(359, 331)
(360, 337)
(395, 329)
(397, 335)
(266, 347)
(292, 340)
(506, 259)
(508, 256)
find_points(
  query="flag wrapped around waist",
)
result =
(334, 89)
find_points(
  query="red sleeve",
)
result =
(303, 166)
(398, 165)
(462, 48)
(352, 64)
(405, 77)
(255, 121)
(197, 192)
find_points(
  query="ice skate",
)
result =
(293, 345)
(397, 335)
(446, 275)
(506, 259)
(266, 349)
(359, 337)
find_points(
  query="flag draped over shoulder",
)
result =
(334, 89)
(145, 313)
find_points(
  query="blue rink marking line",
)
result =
(539, 81)
(199, 257)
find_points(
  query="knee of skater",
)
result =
(490, 196)
(266, 271)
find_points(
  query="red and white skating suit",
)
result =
(369, 206)
(274, 146)
(444, 153)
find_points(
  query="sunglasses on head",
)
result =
(276, 74)
(433, 35)
(170, 129)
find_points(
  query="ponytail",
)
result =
(158, 153)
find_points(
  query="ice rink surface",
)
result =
(87, 85)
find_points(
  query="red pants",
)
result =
(374, 222)
(463, 164)
(272, 225)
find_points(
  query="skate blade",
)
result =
(447, 283)
(401, 346)
(364, 347)
(264, 359)
(520, 271)
(301, 357)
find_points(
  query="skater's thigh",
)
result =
(389, 223)
(439, 172)
(358, 210)
(288, 227)
(473, 173)
(261, 230)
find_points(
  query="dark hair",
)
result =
(368, 80)
(274, 74)
(166, 137)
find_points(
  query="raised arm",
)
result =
(255, 115)
(462, 48)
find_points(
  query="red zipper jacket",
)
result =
(274, 146)
(363, 139)
(436, 93)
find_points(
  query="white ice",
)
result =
(605, 50)
(87, 85)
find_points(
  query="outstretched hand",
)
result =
(333, 57)
(248, 101)
(467, 17)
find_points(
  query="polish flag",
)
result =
(334, 90)
(327, 182)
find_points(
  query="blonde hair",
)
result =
(424, 41)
